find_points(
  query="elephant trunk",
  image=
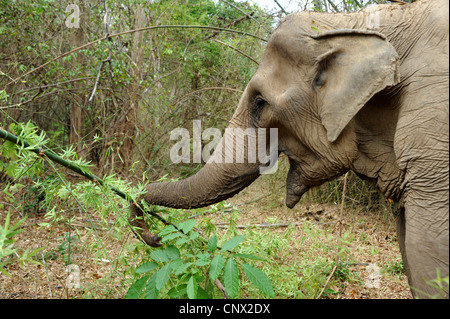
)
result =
(220, 178)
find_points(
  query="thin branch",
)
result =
(221, 288)
(231, 24)
(106, 20)
(207, 89)
(237, 50)
(328, 280)
(99, 72)
(358, 3)
(42, 87)
(250, 16)
(279, 5)
(84, 46)
(333, 5)
(265, 225)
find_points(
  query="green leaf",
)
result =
(146, 267)
(163, 275)
(233, 242)
(192, 288)
(135, 290)
(216, 267)
(231, 278)
(159, 255)
(167, 230)
(181, 241)
(193, 235)
(172, 252)
(202, 294)
(188, 225)
(248, 256)
(171, 236)
(181, 269)
(212, 244)
(150, 291)
(178, 291)
(259, 279)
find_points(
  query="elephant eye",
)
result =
(258, 105)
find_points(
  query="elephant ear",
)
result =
(355, 66)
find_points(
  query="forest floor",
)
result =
(369, 237)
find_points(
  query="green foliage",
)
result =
(191, 267)
(396, 267)
(8, 254)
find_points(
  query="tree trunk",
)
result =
(76, 111)
(127, 121)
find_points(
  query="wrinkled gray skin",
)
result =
(367, 92)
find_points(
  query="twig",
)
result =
(42, 87)
(206, 89)
(239, 9)
(225, 225)
(28, 101)
(221, 288)
(333, 5)
(344, 189)
(108, 59)
(227, 26)
(237, 50)
(279, 5)
(99, 71)
(328, 280)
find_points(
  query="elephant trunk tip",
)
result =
(140, 229)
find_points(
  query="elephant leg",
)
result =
(401, 239)
(425, 251)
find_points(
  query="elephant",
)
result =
(366, 92)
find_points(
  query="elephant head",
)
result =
(308, 87)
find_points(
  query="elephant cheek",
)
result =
(295, 188)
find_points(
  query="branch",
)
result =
(237, 50)
(221, 288)
(108, 59)
(333, 5)
(250, 16)
(107, 37)
(233, 23)
(99, 71)
(279, 5)
(55, 158)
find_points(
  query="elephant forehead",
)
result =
(287, 44)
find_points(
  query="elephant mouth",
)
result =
(295, 186)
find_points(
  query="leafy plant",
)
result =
(195, 267)
(67, 246)
(8, 254)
